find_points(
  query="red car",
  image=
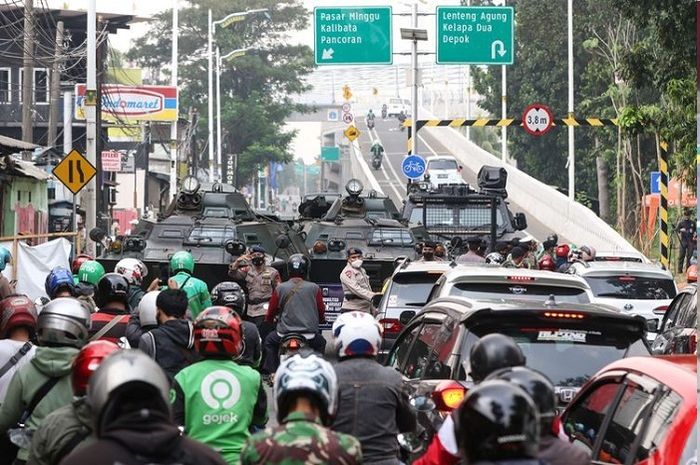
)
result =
(638, 410)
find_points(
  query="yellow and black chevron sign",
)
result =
(481, 122)
(663, 206)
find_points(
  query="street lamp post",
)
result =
(414, 35)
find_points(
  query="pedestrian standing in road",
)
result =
(357, 291)
(552, 450)
(134, 271)
(128, 397)
(18, 317)
(70, 427)
(182, 270)
(43, 385)
(171, 343)
(231, 295)
(260, 280)
(516, 259)
(472, 255)
(685, 230)
(498, 424)
(216, 399)
(6, 288)
(428, 252)
(298, 308)
(372, 402)
(112, 318)
(305, 392)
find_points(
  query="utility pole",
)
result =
(103, 195)
(173, 127)
(572, 158)
(210, 108)
(89, 198)
(28, 73)
(55, 86)
(218, 116)
(67, 148)
(504, 111)
(414, 90)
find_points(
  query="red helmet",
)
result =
(87, 361)
(15, 311)
(218, 333)
(79, 260)
(563, 251)
(546, 263)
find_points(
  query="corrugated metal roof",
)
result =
(9, 145)
(16, 167)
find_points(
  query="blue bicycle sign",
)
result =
(413, 166)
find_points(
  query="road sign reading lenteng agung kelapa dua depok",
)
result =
(352, 35)
(474, 35)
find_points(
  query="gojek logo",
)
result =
(220, 389)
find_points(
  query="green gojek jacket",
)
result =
(197, 292)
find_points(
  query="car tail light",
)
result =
(448, 395)
(627, 278)
(565, 315)
(661, 310)
(520, 278)
(391, 325)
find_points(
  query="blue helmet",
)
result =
(59, 278)
(5, 257)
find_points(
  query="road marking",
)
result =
(374, 137)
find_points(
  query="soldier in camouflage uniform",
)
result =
(259, 280)
(306, 394)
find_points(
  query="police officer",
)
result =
(356, 288)
(260, 280)
(685, 230)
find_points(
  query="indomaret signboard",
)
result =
(128, 104)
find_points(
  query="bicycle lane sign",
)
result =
(413, 167)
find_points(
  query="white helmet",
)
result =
(494, 258)
(132, 269)
(306, 374)
(356, 334)
(147, 309)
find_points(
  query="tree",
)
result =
(256, 89)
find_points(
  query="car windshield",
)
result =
(521, 291)
(472, 217)
(411, 288)
(632, 287)
(567, 354)
(442, 165)
(391, 237)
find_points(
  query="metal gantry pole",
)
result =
(89, 197)
(218, 113)
(210, 113)
(414, 90)
(173, 82)
(572, 158)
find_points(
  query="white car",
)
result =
(397, 105)
(617, 256)
(444, 170)
(635, 288)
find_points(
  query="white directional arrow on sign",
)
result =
(497, 47)
(327, 54)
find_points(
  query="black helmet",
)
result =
(297, 265)
(492, 352)
(112, 287)
(497, 421)
(229, 294)
(538, 387)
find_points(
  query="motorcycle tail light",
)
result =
(661, 310)
(391, 325)
(448, 395)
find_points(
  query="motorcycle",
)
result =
(292, 344)
(376, 162)
(370, 124)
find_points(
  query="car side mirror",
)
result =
(422, 403)
(520, 222)
(376, 300)
(406, 316)
(652, 325)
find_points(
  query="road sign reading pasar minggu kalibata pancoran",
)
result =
(352, 35)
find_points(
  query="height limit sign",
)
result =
(537, 119)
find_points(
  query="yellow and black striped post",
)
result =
(663, 206)
(409, 143)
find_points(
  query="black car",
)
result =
(568, 342)
(678, 332)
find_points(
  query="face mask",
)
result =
(258, 261)
(428, 256)
(356, 263)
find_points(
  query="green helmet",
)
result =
(182, 261)
(91, 272)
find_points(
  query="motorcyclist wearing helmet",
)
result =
(77, 263)
(494, 258)
(529, 244)
(62, 329)
(143, 318)
(134, 271)
(490, 353)
(372, 402)
(297, 306)
(561, 255)
(18, 317)
(548, 247)
(111, 297)
(182, 269)
(552, 450)
(70, 427)
(259, 279)
(486, 435)
(60, 283)
(88, 276)
(229, 294)
(546, 263)
(216, 399)
(128, 396)
(6, 287)
(305, 393)
(171, 343)
(516, 259)
(472, 255)
(377, 150)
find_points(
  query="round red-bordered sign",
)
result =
(537, 119)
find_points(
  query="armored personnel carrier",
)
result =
(458, 212)
(213, 222)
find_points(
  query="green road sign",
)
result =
(474, 35)
(352, 35)
(330, 153)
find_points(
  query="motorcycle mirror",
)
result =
(409, 442)
(422, 403)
